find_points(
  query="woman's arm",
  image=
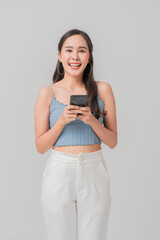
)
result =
(107, 133)
(45, 138)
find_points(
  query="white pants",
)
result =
(75, 196)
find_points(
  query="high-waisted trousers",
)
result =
(75, 196)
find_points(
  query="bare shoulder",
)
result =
(44, 94)
(45, 91)
(104, 85)
(43, 99)
(105, 91)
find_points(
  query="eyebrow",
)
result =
(79, 47)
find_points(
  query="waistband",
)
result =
(76, 158)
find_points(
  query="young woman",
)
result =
(75, 195)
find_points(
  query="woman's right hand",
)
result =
(69, 114)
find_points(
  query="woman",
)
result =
(75, 195)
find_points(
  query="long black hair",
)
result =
(88, 78)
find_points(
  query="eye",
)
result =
(71, 50)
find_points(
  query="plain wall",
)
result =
(126, 37)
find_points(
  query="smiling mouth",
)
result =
(74, 66)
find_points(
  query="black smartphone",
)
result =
(78, 100)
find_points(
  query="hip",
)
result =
(81, 178)
(64, 162)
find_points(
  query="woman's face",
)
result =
(74, 51)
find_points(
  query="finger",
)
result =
(85, 109)
(72, 114)
(73, 110)
(73, 107)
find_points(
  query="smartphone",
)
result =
(78, 100)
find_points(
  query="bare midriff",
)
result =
(78, 148)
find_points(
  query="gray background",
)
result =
(125, 36)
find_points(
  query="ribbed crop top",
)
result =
(76, 132)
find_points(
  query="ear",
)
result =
(59, 56)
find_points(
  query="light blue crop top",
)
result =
(76, 132)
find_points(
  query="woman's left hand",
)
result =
(87, 116)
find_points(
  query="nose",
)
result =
(75, 55)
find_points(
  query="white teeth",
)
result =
(75, 65)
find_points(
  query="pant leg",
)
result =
(94, 201)
(58, 201)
